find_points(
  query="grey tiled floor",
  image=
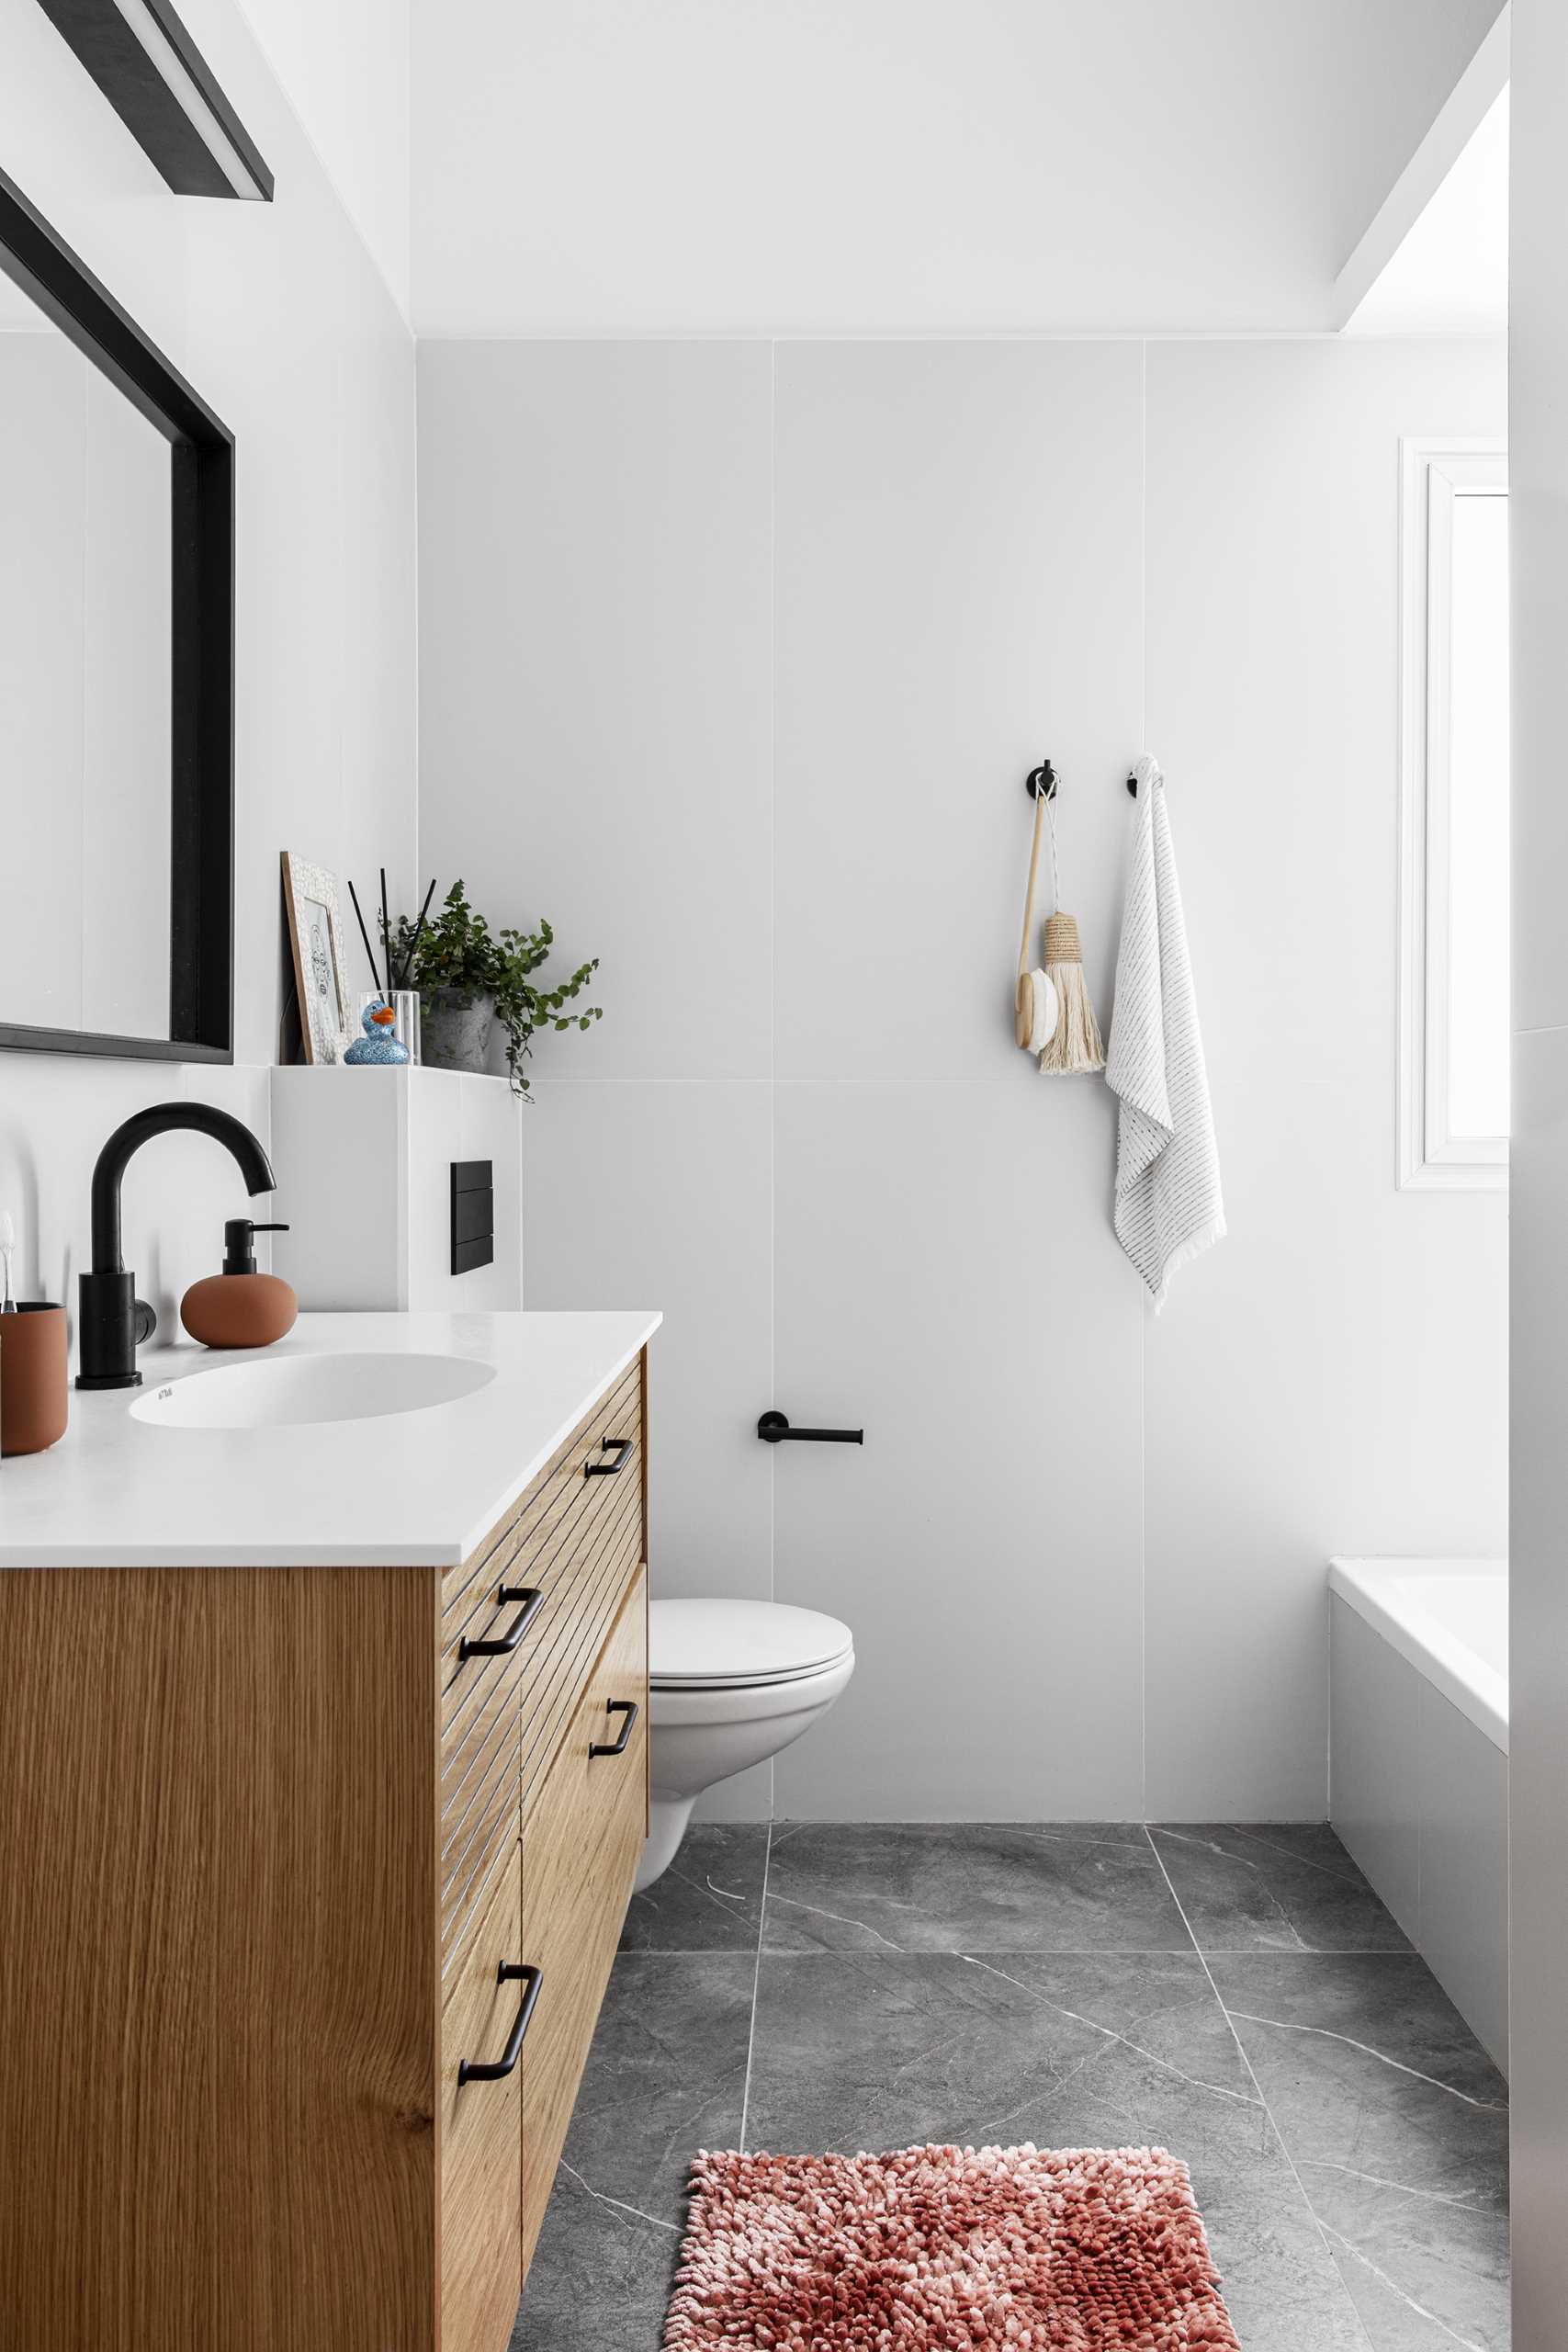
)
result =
(1237, 1995)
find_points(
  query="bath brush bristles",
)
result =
(1074, 1043)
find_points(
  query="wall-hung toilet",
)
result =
(730, 1682)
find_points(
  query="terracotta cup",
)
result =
(34, 1390)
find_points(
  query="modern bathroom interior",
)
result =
(784, 1107)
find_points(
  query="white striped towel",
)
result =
(1168, 1206)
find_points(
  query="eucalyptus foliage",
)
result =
(457, 949)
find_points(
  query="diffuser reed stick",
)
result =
(413, 943)
(386, 936)
(365, 936)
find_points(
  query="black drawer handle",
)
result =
(620, 1447)
(510, 1972)
(618, 1745)
(504, 1644)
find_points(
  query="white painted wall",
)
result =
(733, 662)
(1538, 1702)
(277, 316)
(344, 65)
(908, 166)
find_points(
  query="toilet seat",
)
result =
(739, 1645)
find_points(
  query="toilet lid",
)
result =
(713, 1645)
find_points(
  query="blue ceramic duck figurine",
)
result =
(380, 1042)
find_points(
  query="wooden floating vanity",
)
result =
(311, 1881)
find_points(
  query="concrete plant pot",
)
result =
(453, 1029)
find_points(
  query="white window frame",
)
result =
(1433, 474)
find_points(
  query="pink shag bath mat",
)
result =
(947, 2250)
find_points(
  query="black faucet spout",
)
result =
(107, 1334)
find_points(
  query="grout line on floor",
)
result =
(1258, 2086)
(980, 1951)
(756, 1982)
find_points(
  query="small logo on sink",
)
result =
(164, 1392)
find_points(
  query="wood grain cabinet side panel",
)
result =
(218, 1961)
(107, 2066)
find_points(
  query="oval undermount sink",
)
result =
(289, 1392)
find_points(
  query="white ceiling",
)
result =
(909, 166)
(1451, 274)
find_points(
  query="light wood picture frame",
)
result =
(310, 893)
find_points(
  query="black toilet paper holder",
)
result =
(773, 1429)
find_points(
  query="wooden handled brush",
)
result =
(1052, 1015)
(1035, 1006)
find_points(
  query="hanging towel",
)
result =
(1168, 1207)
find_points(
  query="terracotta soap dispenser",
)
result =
(239, 1308)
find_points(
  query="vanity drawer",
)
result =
(579, 1488)
(481, 2132)
(574, 1541)
(580, 1857)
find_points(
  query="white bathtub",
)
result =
(1418, 1762)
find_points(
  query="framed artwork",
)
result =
(310, 893)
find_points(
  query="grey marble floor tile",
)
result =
(945, 1886)
(876, 2051)
(710, 1899)
(666, 2075)
(1397, 2123)
(1277, 1887)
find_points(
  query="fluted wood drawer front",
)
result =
(480, 1779)
(541, 1531)
(482, 2133)
(570, 1543)
(579, 1856)
(550, 1706)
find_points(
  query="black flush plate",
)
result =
(473, 1215)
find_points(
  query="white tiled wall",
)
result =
(733, 662)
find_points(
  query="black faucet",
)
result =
(112, 1320)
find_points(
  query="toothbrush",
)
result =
(7, 1243)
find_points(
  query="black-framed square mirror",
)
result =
(116, 675)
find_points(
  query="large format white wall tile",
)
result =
(594, 706)
(56, 1114)
(958, 593)
(1334, 1368)
(946, 1277)
(1274, 572)
(660, 1194)
(1327, 1380)
(960, 586)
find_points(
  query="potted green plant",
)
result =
(469, 977)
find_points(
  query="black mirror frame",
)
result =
(201, 801)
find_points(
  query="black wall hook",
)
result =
(1132, 785)
(1043, 778)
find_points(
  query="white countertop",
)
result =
(410, 1490)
